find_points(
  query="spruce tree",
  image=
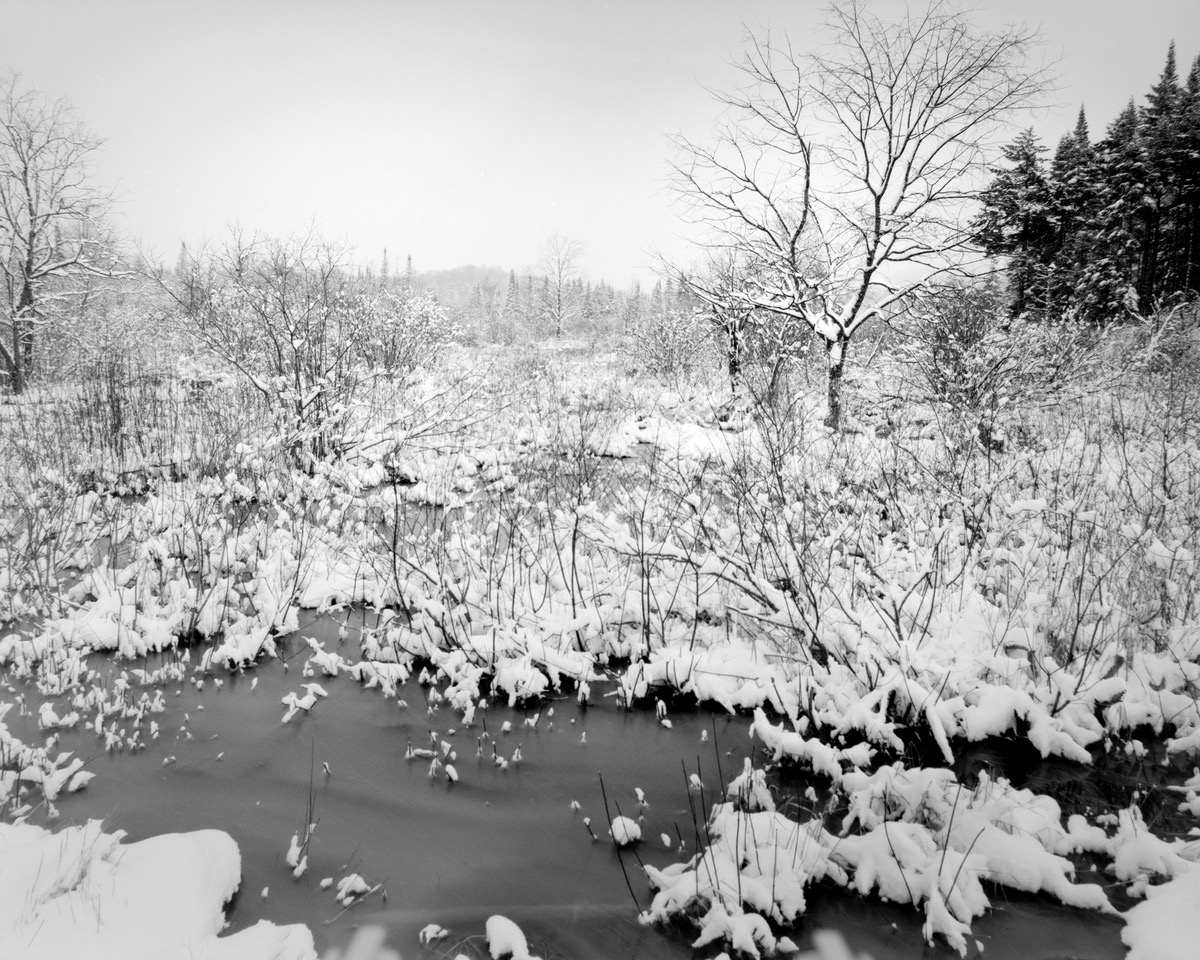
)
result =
(1114, 282)
(1018, 221)
(1189, 184)
(512, 298)
(1158, 127)
(1074, 202)
(1108, 228)
(633, 309)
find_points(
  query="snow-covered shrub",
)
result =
(282, 312)
(673, 345)
(115, 330)
(1166, 341)
(397, 329)
(964, 353)
(910, 836)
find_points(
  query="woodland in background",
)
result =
(1104, 229)
(1103, 232)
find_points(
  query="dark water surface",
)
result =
(497, 841)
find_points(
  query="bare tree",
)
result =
(281, 313)
(52, 217)
(561, 296)
(840, 182)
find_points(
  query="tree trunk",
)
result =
(11, 361)
(734, 351)
(22, 327)
(1147, 281)
(836, 352)
(1190, 278)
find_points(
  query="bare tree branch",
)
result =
(53, 220)
(841, 183)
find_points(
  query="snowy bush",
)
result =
(1166, 341)
(283, 314)
(671, 344)
(963, 352)
(921, 838)
(396, 329)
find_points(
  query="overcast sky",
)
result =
(463, 132)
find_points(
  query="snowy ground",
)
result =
(872, 603)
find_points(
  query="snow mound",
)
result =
(1167, 925)
(505, 939)
(81, 892)
(625, 831)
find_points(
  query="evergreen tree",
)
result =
(1159, 116)
(633, 309)
(587, 309)
(1018, 221)
(1158, 131)
(1114, 280)
(1081, 128)
(1074, 202)
(1188, 239)
(1110, 227)
(512, 298)
(478, 314)
(657, 304)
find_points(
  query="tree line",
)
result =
(1107, 229)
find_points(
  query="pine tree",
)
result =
(1081, 128)
(1110, 227)
(587, 309)
(478, 317)
(1188, 271)
(383, 270)
(1018, 221)
(633, 309)
(1073, 192)
(1158, 129)
(1159, 115)
(1114, 283)
(512, 299)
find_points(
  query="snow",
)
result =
(1167, 925)
(846, 609)
(431, 933)
(82, 892)
(625, 831)
(921, 839)
(351, 887)
(505, 939)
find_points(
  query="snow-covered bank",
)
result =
(82, 892)
(1167, 925)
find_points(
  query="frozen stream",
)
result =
(497, 841)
